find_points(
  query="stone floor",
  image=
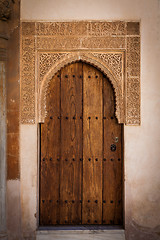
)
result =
(82, 233)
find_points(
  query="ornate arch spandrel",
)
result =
(95, 38)
(98, 60)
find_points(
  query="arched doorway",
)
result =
(81, 150)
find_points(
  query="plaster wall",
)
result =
(141, 143)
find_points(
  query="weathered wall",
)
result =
(9, 123)
(141, 150)
(13, 105)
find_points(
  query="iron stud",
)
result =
(113, 147)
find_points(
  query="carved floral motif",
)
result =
(28, 80)
(81, 28)
(109, 63)
(133, 101)
(105, 45)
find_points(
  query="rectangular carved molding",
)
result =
(45, 46)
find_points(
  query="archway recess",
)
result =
(92, 60)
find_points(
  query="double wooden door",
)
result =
(81, 150)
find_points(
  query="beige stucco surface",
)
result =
(141, 143)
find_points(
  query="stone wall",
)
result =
(141, 148)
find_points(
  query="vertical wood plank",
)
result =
(50, 152)
(67, 138)
(92, 145)
(112, 164)
(71, 144)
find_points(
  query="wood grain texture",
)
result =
(50, 152)
(112, 166)
(71, 144)
(80, 177)
(92, 145)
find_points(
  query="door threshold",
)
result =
(80, 227)
(92, 232)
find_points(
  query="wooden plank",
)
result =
(92, 145)
(112, 166)
(71, 144)
(50, 152)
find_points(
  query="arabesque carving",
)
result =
(113, 47)
(105, 62)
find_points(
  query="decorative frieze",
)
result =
(52, 43)
(133, 56)
(28, 80)
(81, 28)
(103, 43)
(113, 47)
(133, 102)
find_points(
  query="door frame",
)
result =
(98, 43)
(39, 159)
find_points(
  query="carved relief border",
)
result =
(50, 63)
(107, 45)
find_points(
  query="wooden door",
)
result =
(81, 150)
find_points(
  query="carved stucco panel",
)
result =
(133, 101)
(79, 36)
(81, 28)
(106, 62)
(28, 80)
